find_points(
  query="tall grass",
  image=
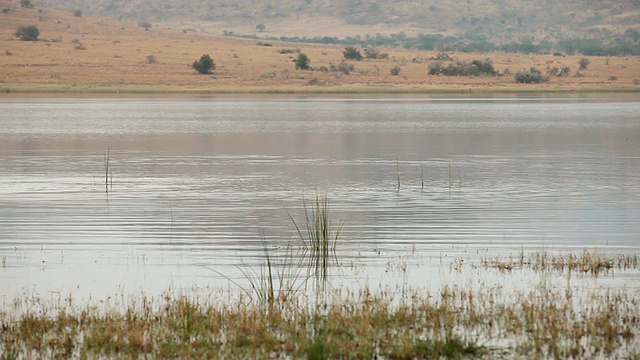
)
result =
(305, 259)
(319, 237)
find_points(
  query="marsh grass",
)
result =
(306, 259)
(318, 238)
(592, 263)
(453, 323)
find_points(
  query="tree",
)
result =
(584, 63)
(28, 33)
(260, 27)
(204, 65)
(26, 3)
(302, 62)
(351, 53)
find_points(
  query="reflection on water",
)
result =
(200, 182)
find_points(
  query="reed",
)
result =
(318, 239)
(398, 172)
(108, 172)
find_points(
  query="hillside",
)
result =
(498, 21)
(91, 54)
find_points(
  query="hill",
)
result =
(91, 54)
(495, 21)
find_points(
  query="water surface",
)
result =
(197, 184)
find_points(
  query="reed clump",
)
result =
(318, 237)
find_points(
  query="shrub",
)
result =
(395, 70)
(260, 27)
(530, 76)
(151, 59)
(77, 13)
(302, 62)
(442, 57)
(26, 4)
(584, 63)
(204, 65)
(145, 25)
(344, 67)
(371, 53)
(268, 74)
(28, 33)
(462, 68)
(351, 53)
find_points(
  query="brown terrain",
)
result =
(99, 55)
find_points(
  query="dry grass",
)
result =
(116, 60)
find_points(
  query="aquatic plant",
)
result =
(319, 237)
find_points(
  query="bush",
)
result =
(584, 63)
(371, 53)
(302, 62)
(26, 4)
(204, 65)
(151, 59)
(351, 53)
(344, 67)
(28, 33)
(77, 13)
(462, 68)
(530, 76)
(395, 70)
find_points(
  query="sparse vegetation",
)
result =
(28, 33)
(204, 65)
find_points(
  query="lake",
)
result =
(198, 188)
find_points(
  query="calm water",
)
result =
(198, 183)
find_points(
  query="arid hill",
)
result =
(81, 53)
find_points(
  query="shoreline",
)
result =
(46, 90)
